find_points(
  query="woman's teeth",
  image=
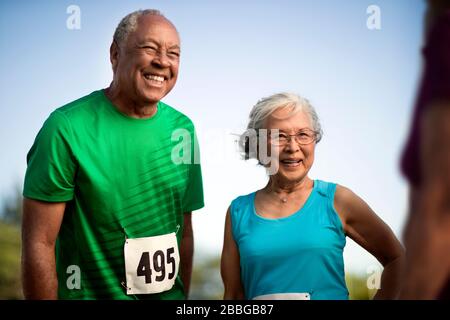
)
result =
(291, 163)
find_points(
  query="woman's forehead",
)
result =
(287, 119)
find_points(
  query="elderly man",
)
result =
(107, 209)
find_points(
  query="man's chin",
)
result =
(150, 99)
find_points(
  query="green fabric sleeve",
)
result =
(193, 198)
(51, 163)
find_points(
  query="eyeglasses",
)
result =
(303, 137)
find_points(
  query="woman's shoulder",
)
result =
(242, 200)
(240, 210)
(344, 194)
(325, 188)
(348, 203)
(339, 196)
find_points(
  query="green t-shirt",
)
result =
(120, 177)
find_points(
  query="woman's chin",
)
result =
(291, 174)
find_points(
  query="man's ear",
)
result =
(114, 51)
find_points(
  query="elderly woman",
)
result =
(286, 240)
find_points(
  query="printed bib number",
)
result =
(151, 263)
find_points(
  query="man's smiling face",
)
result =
(146, 63)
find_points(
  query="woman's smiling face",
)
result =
(293, 160)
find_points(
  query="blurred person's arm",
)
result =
(230, 265)
(435, 143)
(435, 9)
(427, 233)
(40, 228)
(187, 252)
(362, 225)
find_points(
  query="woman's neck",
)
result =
(285, 187)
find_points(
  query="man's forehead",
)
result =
(153, 20)
(150, 26)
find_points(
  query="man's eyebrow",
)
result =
(147, 40)
(175, 46)
(144, 41)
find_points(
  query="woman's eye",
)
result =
(304, 134)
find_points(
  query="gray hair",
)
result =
(129, 24)
(266, 106)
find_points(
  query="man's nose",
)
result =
(161, 60)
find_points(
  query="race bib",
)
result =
(284, 296)
(151, 263)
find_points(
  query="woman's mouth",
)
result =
(291, 162)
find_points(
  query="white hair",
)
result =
(266, 106)
(129, 24)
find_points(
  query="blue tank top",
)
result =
(301, 253)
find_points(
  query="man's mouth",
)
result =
(291, 162)
(154, 79)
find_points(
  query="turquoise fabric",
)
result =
(301, 253)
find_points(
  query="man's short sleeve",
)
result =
(193, 198)
(51, 163)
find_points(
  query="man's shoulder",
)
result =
(81, 105)
(176, 116)
(70, 115)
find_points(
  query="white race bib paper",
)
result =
(151, 263)
(284, 296)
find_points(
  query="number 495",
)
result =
(160, 260)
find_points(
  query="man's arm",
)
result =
(40, 228)
(187, 252)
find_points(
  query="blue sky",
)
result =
(362, 83)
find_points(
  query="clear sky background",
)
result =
(362, 82)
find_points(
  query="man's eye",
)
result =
(174, 54)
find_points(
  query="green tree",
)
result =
(10, 247)
(12, 208)
(206, 283)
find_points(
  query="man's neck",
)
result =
(128, 106)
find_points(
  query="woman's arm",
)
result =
(230, 264)
(363, 226)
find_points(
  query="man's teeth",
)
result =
(153, 77)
